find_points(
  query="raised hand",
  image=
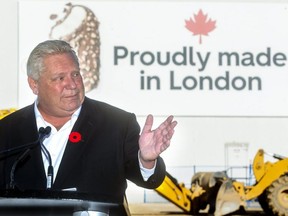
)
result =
(153, 142)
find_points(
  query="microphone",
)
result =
(42, 134)
(50, 171)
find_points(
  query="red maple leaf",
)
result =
(200, 26)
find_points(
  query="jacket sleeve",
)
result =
(157, 178)
(132, 167)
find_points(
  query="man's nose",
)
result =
(71, 83)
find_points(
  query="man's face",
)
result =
(60, 87)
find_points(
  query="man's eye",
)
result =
(76, 74)
(58, 79)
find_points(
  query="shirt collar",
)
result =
(42, 123)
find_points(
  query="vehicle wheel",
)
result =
(262, 199)
(277, 196)
(195, 206)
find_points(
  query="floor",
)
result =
(156, 209)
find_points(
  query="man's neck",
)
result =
(57, 122)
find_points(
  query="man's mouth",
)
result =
(72, 96)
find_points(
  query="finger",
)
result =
(166, 123)
(165, 145)
(169, 125)
(148, 124)
(169, 122)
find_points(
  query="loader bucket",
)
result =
(207, 184)
(228, 199)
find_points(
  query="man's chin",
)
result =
(73, 106)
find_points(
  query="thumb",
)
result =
(148, 124)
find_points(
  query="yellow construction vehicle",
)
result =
(223, 195)
(6, 112)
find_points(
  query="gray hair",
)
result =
(35, 63)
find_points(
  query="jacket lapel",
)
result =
(75, 150)
(29, 133)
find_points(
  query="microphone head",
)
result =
(41, 130)
(48, 130)
(45, 131)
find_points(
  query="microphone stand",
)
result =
(12, 172)
(8, 152)
(50, 171)
(42, 134)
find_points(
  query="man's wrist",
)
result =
(148, 164)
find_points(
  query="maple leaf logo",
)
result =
(200, 26)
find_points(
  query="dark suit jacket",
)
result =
(98, 165)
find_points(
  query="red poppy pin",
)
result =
(75, 137)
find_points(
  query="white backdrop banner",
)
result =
(181, 58)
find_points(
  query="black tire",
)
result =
(277, 196)
(195, 206)
(262, 199)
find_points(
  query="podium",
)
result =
(55, 203)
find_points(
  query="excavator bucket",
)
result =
(228, 200)
(205, 187)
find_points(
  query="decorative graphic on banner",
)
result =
(165, 63)
(79, 26)
(200, 26)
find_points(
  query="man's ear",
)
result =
(33, 85)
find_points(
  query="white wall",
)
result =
(8, 54)
(197, 141)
